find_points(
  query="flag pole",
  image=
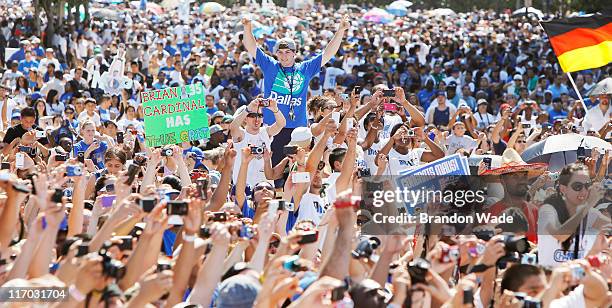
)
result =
(577, 92)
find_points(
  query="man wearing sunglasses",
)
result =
(254, 135)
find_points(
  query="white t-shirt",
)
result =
(550, 252)
(256, 166)
(312, 207)
(390, 121)
(11, 104)
(124, 123)
(455, 143)
(575, 299)
(330, 77)
(349, 63)
(331, 189)
(369, 156)
(84, 116)
(485, 120)
(399, 162)
(596, 119)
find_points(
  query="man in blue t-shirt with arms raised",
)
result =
(286, 81)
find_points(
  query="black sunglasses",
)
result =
(274, 244)
(255, 115)
(262, 187)
(578, 186)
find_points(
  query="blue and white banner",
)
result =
(429, 178)
(455, 164)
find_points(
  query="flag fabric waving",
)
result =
(581, 42)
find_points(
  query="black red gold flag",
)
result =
(581, 43)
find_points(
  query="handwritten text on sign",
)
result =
(175, 115)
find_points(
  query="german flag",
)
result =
(581, 42)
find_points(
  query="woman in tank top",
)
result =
(567, 222)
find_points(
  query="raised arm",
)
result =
(151, 170)
(75, 218)
(181, 168)
(348, 164)
(435, 150)
(332, 47)
(499, 126)
(220, 195)
(371, 105)
(316, 154)
(337, 265)
(416, 117)
(187, 257)
(239, 118)
(242, 176)
(248, 40)
(515, 136)
(276, 172)
(211, 271)
(279, 119)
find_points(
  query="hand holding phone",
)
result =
(336, 117)
(389, 93)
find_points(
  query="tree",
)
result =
(54, 10)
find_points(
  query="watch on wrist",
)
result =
(188, 237)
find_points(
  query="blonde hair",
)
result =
(87, 121)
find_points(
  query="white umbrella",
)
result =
(170, 4)
(442, 12)
(528, 11)
(403, 3)
(211, 7)
(560, 150)
(397, 9)
(567, 142)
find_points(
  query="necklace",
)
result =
(290, 82)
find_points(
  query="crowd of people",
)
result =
(266, 212)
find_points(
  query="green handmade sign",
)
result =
(175, 115)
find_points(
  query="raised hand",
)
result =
(246, 154)
(399, 94)
(246, 22)
(193, 220)
(345, 23)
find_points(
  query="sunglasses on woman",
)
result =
(579, 186)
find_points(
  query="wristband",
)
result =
(76, 294)
(275, 111)
(188, 237)
(354, 202)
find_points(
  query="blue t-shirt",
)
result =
(199, 154)
(23, 64)
(96, 156)
(185, 49)
(556, 115)
(277, 84)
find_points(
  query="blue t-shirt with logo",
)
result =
(97, 156)
(277, 83)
